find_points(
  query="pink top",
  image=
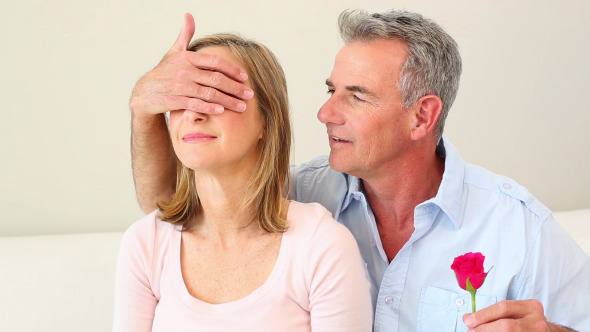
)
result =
(317, 284)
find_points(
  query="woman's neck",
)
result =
(221, 212)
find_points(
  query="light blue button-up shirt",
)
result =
(473, 211)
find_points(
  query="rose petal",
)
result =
(476, 280)
(469, 266)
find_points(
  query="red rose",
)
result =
(469, 267)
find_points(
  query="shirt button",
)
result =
(459, 302)
(389, 300)
(357, 197)
(507, 185)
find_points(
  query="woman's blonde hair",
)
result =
(267, 184)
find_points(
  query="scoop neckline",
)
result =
(240, 304)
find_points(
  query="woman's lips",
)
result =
(197, 137)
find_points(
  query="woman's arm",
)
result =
(339, 296)
(135, 301)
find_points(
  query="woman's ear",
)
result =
(427, 111)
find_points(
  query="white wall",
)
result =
(68, 68)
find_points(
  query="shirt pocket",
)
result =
(442, 310)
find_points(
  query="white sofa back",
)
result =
(577, 224)
(58, 282)
(65, 282)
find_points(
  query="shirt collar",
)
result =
(354, 190)
(448, 196)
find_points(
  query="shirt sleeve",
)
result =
(557, 274)
(316, 182)
(135, 301)
(339, 297)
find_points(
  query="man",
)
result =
(394, 181)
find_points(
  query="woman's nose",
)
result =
(192, 116)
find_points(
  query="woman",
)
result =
(228, 252)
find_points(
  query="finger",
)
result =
(199, 74)
(206, 94)
(191, 104)
(498, 325)
(202, 106)
(213, 96)
(527, 323)
(177, 102)
(215, 63)
(502, 310)
(186, 34)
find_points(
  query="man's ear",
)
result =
(426, 112)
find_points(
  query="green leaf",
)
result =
(487, 274)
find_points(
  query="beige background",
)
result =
(68, 67)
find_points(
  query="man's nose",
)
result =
(330, 112)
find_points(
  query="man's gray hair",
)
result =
(433, 65)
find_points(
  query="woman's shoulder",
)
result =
(147, 230)
(314, 220)
(307, 215)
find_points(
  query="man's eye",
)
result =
(357, 98)
(330, 92)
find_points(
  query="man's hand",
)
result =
(189, 80)
(182, 80)
(526, 315)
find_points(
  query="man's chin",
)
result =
(337, 164)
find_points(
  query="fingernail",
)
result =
(219, 109)
(241, 106)
(248, 94)
(469, 320)
(243, 75)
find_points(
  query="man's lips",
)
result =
(197, 137)
(338, 139)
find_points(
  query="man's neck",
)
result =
(394, 197)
